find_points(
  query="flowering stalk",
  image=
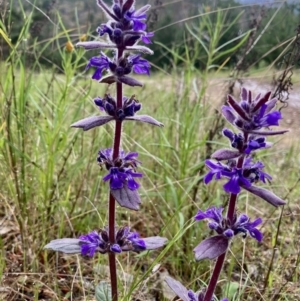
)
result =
(124, 29)
(251, 117)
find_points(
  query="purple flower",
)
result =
(212, 213)
(91, 243)
(125, 240)
(140, 65)
(244, 177)
(126, 25)
(137, 18)
(254, 142)
(219, 170)
(251, 115)
(98, 242)
(100, 63)
(222, 226)
(244, 225)
(122, 170)
(215, 246)
(146, 37)
(109, 105)
(119, 68)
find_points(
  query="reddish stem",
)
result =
(112, 201)
(230, 214)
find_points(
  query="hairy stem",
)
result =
(111, 255)
(112, 201)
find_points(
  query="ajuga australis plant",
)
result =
(124, 30)
(252, 119)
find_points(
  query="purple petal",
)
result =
(255, 233)
(273, 118)
(232, 186)
(91, 122)
(212, 213)
(116, 248)
(201, 215)
(127, 198)
(228, 233)
(132, 184)
(255, 223)
(244, 94)
(208, 177)
(178, 288)
(65, 245)
(211, 248)
(229, 134)
(266, 195)
(228, 114)
(97, 74)
(130, 81)
(145, 38)
(145, 118)
(225, 154)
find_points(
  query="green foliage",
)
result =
(42, 28)
(274, 35)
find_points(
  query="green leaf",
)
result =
(103, 291)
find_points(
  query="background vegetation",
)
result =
(52, 187)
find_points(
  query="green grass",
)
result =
(51, 185)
